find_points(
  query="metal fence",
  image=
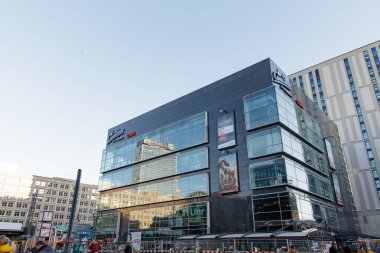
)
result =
(234, 246)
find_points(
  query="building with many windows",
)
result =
(346, 88)
(53, 194)
(246, 153)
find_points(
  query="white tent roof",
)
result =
(207, 237)
(297, 234)
(10, 226)
(232, 236)
(258, 235)
(187, 237)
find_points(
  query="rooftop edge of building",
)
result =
(262, 67)
(334, 57)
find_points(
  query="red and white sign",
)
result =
(299, 103)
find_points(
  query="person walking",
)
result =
(94, 246)
(128, 248)
(361, 250)
(42, 247)
(333, 249)
(292, 249)
(378, 249)
(34, 249)
(4, 245)
(346, 249)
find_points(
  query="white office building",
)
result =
(53, 194)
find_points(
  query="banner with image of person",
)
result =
(134, 240)
(228, 174)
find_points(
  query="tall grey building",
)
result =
(346, 88)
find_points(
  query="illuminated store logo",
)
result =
(115, 136)
(131, 134)
(299, 103)
(281, 79)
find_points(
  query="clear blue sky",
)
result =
(70, 70)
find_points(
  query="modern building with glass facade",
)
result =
(347, 89)
(246, 153)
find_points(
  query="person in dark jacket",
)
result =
(34, 249)
(346, 249)
(128, 248)
(378, 249)
(43, 248)
(333, 249)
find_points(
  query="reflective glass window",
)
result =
(301, 83)
(264, 143)
(309, 128)
(165, 190)
(287, 111)
(169, 165)
(294, 81)
(174, 220)
(268, 173)
(276, 140)
(284, 170)
(180, 135)
(279, 208)
(273, 105)
(260, 108)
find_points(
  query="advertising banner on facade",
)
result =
(45, 229)
(228, 174)
(330, 154)
(135, 240)
(226, 130)
(338, 194)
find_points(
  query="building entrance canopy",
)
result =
(308, 233)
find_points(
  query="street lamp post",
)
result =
(29, 220)
(73, 207)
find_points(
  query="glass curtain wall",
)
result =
(159, 191)
(170, 221)
(274, 210)
(169, 165)
(183, 134)
(286, 171)
(107, 222)
(278, 140)
(271, 105)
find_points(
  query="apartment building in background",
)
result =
(53, 194)
(346, 88)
